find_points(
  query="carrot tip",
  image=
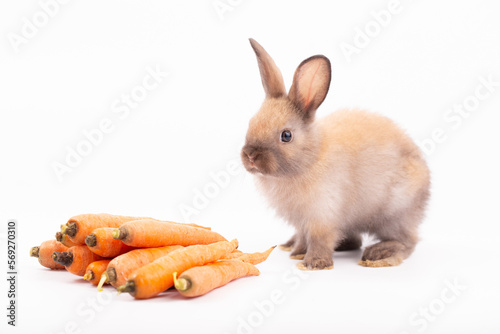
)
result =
(104, 279)
(181, 284)
(63, 228)
(34, 251)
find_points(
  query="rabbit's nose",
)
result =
(251, 153)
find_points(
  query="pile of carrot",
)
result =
(145, 256)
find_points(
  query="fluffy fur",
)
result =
(349, 173)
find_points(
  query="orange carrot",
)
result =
(101, 242)
(232, 256)
(256, 258)
(120, 268)
(190, 224)
(253, 258)
(185, 224)
(64, 239)
(198, 281)
(156, 277)
(44, 253)
(94, 271)
(78, 227)
(153, 233)
(76, 259)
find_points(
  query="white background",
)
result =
(65, 78)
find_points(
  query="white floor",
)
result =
(444, 287)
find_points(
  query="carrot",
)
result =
(64, 239)
(191, 224)
(78, 227)
(101, 242)
(44, 253)
(122, 266)
(185, 224)
(156, 277)
(198, 281)
(232, 256)
(153, 233)
(76, 259)
(255, 258)
(94, 271)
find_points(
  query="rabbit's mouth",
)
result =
(252, 167)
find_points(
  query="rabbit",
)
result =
(350, 173)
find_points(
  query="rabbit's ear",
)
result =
(310, 84)
(272, 80)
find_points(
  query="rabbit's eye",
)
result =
(286, 136)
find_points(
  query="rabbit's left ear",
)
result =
(310, 84)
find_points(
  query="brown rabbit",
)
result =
(334, 178)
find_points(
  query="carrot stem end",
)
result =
(89, 275)
(64, 258)
(71, 229)
(34, 251)
(91, 240)
(118, 234)
(127, 287)
(181, 284)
